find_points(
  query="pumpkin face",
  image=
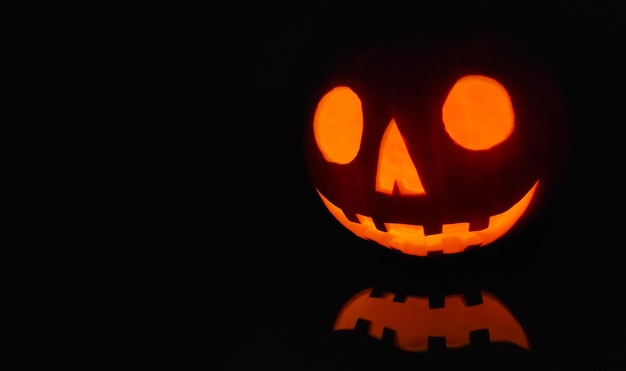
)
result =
(435, 149)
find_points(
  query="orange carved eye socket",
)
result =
(338, 125)
(478, 113)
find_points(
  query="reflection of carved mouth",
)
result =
(417, 324)
(453, 238)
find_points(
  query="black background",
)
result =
(260, 268)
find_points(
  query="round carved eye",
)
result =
(338, 125)
(478, 113)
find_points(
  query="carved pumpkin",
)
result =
(436, 149)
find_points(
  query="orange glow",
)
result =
(478, 113)
(338, 125)
(454, 238)
(413, 321)
(395, 165)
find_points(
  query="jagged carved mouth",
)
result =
(454, 238)
(417, 324)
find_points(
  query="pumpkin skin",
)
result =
(436, 148)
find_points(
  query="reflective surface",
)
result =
(269, 293)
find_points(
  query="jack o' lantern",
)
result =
(436, 149)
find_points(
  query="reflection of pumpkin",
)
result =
(416, 324)
(434, 150)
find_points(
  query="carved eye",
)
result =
(338, 125)
(478, 113)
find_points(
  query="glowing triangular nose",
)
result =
(395, 166)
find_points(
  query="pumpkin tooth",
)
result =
(473, 298)
(478, 224)
(353, 217)
(362, 326)
(388, 336)
(379, 225)
(399, 297)
(479, 338)
(436, 343)
(376, 293)
(436, 301)
(432, 229)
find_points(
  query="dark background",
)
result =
(261, 268)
